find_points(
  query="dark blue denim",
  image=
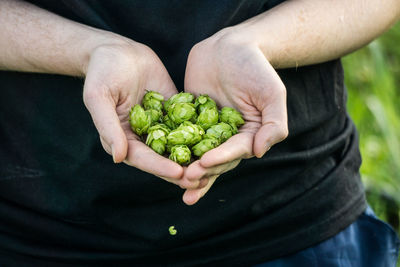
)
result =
(368, 242)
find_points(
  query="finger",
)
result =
(184, 183)
(106, 147)
(145, 159)
(180, 183)
(196, 171)
(203, 182)
(274, 126)
(237, 147)
(101, 107)
(267, 136)
(192, 196)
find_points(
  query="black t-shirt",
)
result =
(63, 201)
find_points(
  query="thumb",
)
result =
(274, 126)
(102, 108)
(268, 135)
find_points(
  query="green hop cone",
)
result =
(153, 100)
(180, 154)
(234, 129)
(204, 101)
(231, 116)
(157, 138)
(180, 112)
(155, 115)
(221, 131)
(139, 120)
(170, 124)
(186, 134)
(204, 145)
(168, 147)
(178, 98)
(207, 118)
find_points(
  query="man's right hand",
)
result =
(117, 72)
(117, 76)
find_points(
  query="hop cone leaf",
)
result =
(221, 131)
(204, 101)
(207, 118)
(180, 154)
(178, 98)
(169, 123)
(168, 147)
(231, 116)
(155, 115)
(234, 129)
(204, 145)
(180, 112)
(153, 100)
(157, 137)
(186, 134)
(139, 120)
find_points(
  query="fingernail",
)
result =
(113, 153)
(267, 147)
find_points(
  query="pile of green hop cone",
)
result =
(183, 127)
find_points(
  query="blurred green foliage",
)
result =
(372, 76)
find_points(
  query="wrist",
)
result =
(247, 34)
(98, 42)
(120, 48)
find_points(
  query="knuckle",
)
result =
(199, 174)
(282, 88)
(132, 156)
(136, 154)
(92, 96)
(195, 50)
(279, 91)
(105, 145)
(283, 132)
(189, 184)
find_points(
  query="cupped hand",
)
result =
(117, 77)
(234, 72)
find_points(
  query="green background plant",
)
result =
(372, 76)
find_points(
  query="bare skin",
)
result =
(117, 72)
(236, 66)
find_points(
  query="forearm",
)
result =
(34, 40)
(303, 32)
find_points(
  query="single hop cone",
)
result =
(186, 134)
(180, 154)
(207, 118)
(155, 115)
(153, 100)
(180, 112)
(178, 98)
(204, 101)
(139, 120)
(157, 138)
(221, 131)
(204, 145)
(232, 117)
